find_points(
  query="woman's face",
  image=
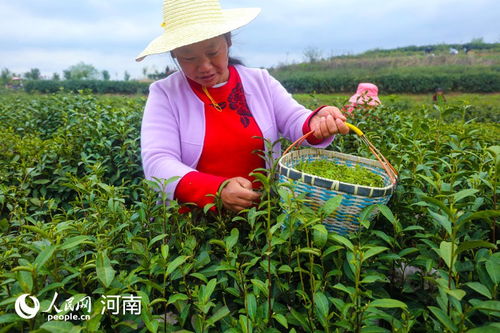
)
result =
(205, 62)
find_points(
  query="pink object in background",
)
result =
(366, 94)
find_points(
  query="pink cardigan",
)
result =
(173, 124)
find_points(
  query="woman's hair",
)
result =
(232, 60)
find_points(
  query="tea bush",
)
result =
(96, 86)
(408, 80)
(78, 219)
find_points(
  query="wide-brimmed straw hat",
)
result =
(190, 21)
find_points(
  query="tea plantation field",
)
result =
(91, 242)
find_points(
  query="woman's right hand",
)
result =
(237, 194)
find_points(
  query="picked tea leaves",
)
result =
(343, 173)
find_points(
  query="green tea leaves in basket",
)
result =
(330, 170)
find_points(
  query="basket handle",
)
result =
(388, 168)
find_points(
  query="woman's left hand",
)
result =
(327, 122)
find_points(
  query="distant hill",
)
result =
(470, 67)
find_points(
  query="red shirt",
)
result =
(229, 145)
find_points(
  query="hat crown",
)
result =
(182, 13)
(187, 22)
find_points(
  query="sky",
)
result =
(53, 35)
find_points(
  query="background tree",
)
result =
(156, 75)
(33, 74)
(56, 77)
(67, 74)
(105, 75)
(81, 71)
(312, 54)
(6, 75)
(126, 76)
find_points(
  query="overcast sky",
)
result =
(52, 35)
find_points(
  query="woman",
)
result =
(201, 123)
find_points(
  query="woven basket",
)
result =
(318, 190)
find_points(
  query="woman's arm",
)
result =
(160, 140)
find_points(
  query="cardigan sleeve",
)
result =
(291, 117)
(160, 141)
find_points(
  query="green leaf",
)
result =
(387, 303)
(445, 253)
(443, 318)
(218, 242)
(348, 290)
(210, 287)
(407, 251)
(284, 269)
(165, 249)
(464, 194)
(245, 324)
(443, 221)
(485, 329)
(60, 327)
(172, 266)
(300, 318)
(472, 244)
(74, 241)
(44, 256)
(251, 306)
(386, 211)
(207, 207)
(457, 293)
(373, 251)
(310, 250)
(493, 269)
(199, 276)
(104, 270)
(25, 280)
(221, 313)
(320, 235)
(155, 239)
(373, 278)
(479, 288)
(437, 203)
(177, 297)
(322, 305)
(41, 181)
(197, 323)
(230, 241)
(331, 205)
(489, 306)
(382, 235)
(37, 230)
(9, 318)
(342, 240)
(481, 215)
(276, 240)
(364, 217)
(281, 319)
(261, 286)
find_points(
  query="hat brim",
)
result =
(172, 39)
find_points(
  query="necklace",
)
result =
(214, 103)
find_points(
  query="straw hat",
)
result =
(190, 21)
